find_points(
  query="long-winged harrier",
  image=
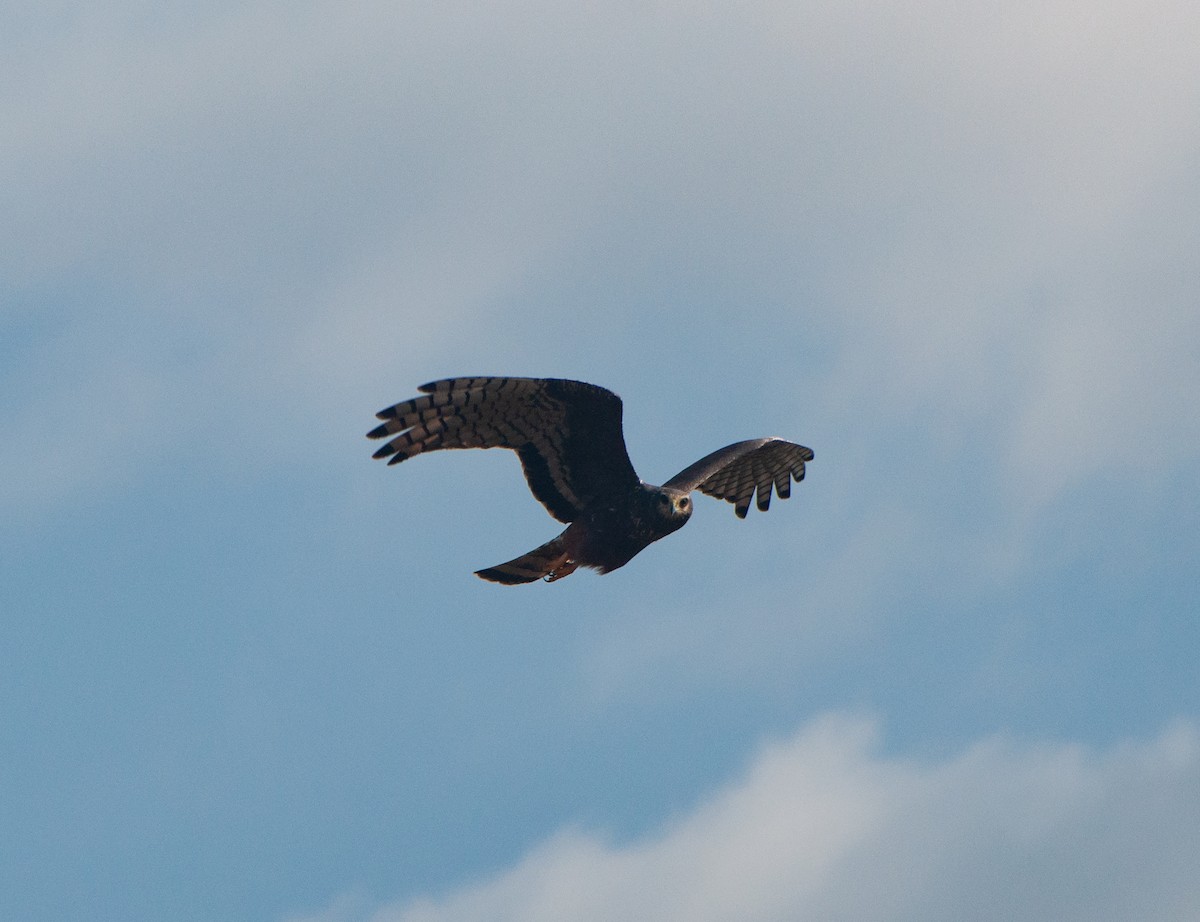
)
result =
(568, 437)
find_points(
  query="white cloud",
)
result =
(825, 826)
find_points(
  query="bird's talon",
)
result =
(565, 570)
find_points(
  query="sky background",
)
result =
(246, 672)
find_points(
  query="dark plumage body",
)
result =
(610, 536)
(569, 439)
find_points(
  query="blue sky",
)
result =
(246, 671)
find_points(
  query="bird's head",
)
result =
(672, 507)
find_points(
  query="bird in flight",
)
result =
(569, 439)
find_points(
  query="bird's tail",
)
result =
(551, 561)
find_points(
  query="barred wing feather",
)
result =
(737, 472)
(566, 433)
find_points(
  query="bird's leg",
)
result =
(566, 569)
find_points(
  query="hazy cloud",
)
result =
(967, 205)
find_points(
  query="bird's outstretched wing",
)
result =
(567, 433)
(735, 472)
